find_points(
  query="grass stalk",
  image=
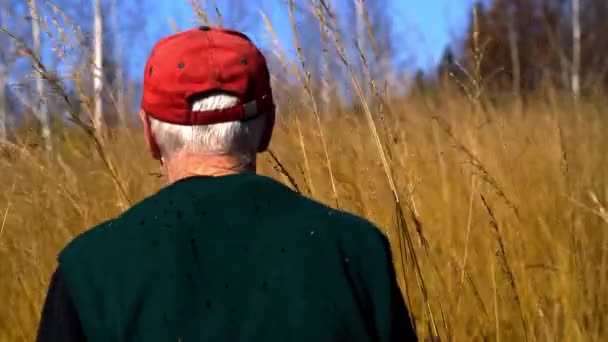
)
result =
(307, 83)
(502, 257)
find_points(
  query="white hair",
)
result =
(239, 139)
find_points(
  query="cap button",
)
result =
(205, 28)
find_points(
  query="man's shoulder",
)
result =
(349, 227)
(361, 230)
(110, 235)
(90, 241)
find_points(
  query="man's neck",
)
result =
(185, 165)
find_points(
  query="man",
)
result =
(221, 254)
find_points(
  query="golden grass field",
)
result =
(513, 231)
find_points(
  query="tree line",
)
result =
(87, 46)
(73, 44)
(520, 47)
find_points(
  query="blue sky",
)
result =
(424, 26)
(428, 26)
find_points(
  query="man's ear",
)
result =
(150, 140)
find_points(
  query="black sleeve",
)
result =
(402, 328)
(59, 320)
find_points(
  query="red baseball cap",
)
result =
(193, 63)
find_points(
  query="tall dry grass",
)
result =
(497, 216)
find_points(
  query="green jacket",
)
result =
(234, 258)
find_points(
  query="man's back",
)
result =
(234, 258)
